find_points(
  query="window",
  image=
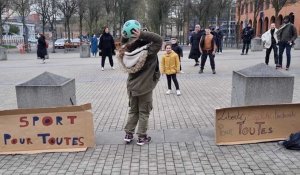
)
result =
(267, 4)
(251, 7)
(246, 6)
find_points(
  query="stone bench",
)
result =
(46, 90)
(261, 85)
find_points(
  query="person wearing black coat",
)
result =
(219, 40)
(106, 48)
(247, 35)
(178, 50)
(194, 40)
(42, 48)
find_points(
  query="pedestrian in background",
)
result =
(178, 50)
(42, 48)
(106, 48)
(247, 35)
(219, 40)
(170, 65)
(94, 45)
(194, 40)
(269, 39)
(286, 35)
(207, 47)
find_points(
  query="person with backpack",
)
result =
(247, 35)
(286, 35)
(138, 56)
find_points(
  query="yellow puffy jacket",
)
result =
(170, 63)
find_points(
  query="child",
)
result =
(207, 47)
(170, 66)
(177, 49)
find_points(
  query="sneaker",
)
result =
(200, 71)
(242, 54)
(178, 93)
(102, 68)
(143, 140)
(197, 64)
(113, 68)
(181, 72)
(44, 62)
(128, 137)
(214, 71)
(287, 69)
(220, 53)
(168, 92)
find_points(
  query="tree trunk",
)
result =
(44, 24)
(25, 34)
(1, 31)
(68, 27)
(80, 27)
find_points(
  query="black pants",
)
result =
(211, 59)
(219, 45)
(268, 51)
(282, 47)
(111, 62)
(173, 76)
(246, 45)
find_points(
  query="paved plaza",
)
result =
(182, 127)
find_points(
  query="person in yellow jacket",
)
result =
(170, 65)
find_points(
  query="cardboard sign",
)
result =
(61, 129)
(252, 124)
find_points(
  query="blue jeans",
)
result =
(288, 48)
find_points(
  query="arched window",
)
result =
(280, 20)
(272, 19)
(266, 24)
(292, 17)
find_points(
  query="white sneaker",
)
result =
(113, 68)
(44, 61)
(168, 92)
(102, 68)
(181, 72)
(178, 92)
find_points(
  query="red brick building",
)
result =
(266, 15)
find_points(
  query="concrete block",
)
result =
(85, 51)
(256, 44)
(3, 54)
(297, 44)
(46, 90)
(261, 85)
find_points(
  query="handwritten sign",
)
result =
(61, 129)
(252, 124)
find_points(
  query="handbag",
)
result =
(131, 58)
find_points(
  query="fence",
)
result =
(12, 39)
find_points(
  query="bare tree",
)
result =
(221, 6)
(158, 14)
(257, 6)
(82, 8)
(278, 5)
(4, 6)
(68, 9)
(22, 7)
(237, 29)
(93, 14)
(42, 8)
(51, 16)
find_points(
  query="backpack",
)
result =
(293, 142)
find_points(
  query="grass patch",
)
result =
(9, 47)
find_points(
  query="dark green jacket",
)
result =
(146, 79)
(287, 33)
